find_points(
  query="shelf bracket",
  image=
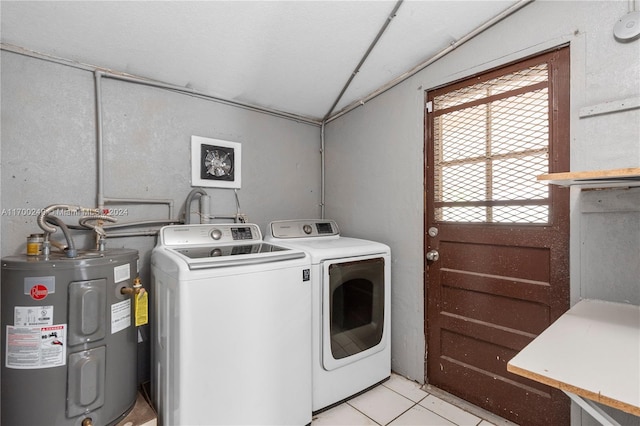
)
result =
(595, 411)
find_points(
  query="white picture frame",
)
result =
(215, 163)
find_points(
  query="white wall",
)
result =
(375, 161)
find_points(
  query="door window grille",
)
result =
(491, 140)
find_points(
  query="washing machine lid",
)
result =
(203, 246)
(230, 250)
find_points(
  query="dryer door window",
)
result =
(356, 309)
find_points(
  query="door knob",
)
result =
(433, 255)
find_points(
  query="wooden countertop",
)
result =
(595, 178)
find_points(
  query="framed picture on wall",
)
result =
(215, 163)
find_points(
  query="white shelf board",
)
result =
(591, 351)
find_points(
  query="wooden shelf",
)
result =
(595, 179)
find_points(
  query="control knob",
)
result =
(216, 234)
(307, 229)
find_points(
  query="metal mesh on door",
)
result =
(491, 140)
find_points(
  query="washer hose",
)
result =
(47, 228)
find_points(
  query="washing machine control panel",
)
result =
(304, 228)
(219, 233)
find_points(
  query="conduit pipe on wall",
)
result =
(187, 204)
(167, 201)
(364, 57)
(342, 92)
(101, 199)
(328, 117)
(322, 171)
(146, 233)
(454, 45)
(150, 233)
(192, 92)
(99, 149)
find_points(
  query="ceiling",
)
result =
(289, 56)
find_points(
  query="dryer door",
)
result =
(353, 305)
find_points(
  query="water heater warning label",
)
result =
(36, 347)
(120, 316)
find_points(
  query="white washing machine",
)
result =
(351, 307)
(231, 329)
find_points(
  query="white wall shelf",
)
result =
(591, 354)
(595, 179)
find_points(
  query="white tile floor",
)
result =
(400, 401)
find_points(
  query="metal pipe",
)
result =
(169, 202)
(133, 234)
(145, 233)
(99, 146)
(364, 58)
(322, 171)
(235, 218)
(161, 222)
(187, 204)
(402, 78)
(205, 209)
(422, 65)
(101, 199)
(190, 91)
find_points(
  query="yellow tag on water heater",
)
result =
(141, 308)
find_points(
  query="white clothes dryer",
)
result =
(351, 307)
(231, 330)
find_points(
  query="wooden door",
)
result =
(498, 239)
